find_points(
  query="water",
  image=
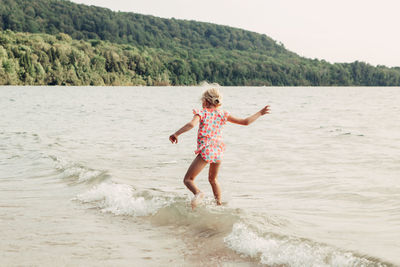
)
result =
(88, 177)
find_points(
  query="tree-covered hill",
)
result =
(91, 22)
(118, 48)
(43, 59)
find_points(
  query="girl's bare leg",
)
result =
(212, 178)
(195, 168)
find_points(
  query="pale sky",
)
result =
(334, 30)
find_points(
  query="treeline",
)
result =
(42, 59)
(91, 22)
(92, 45)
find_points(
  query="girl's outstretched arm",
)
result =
(249, 120)
(188, 126)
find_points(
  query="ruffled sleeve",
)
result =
(225, 116)
(198, 112)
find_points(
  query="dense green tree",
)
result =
(87, 45)
(90, 22)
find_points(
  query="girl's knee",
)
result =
(187, 179)
(212, 180)
(187, 176)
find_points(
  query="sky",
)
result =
(333, 30)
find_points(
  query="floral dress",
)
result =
(209, 137)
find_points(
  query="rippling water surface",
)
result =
(88, 177)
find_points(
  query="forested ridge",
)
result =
(91, 22)
(59, 42)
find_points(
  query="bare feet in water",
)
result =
(197, 199)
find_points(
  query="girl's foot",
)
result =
(197, 199)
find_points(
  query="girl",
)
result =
(210, 147)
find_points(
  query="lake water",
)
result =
(89, 178)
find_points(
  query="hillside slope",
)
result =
(181, 52)
(91, 22)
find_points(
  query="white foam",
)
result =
(70, 169)
(291, 252)
(119, 200)
(83, 174)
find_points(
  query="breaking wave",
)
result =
(227, 230)
(212, 224)
(78, 172)
(119, 200)
(272, 249)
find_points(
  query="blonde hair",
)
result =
(212, 96)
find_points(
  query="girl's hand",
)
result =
(265, 110)
(173, 138)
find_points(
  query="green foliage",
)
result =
(8, 66)
(39, 59)
(90, 22)
(87, 45)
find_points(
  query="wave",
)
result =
(210, 225)
(77, 172)
(273, 249)
(209, 228)
(161, 208)
(119, 200)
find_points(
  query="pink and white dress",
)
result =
(209, 137)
